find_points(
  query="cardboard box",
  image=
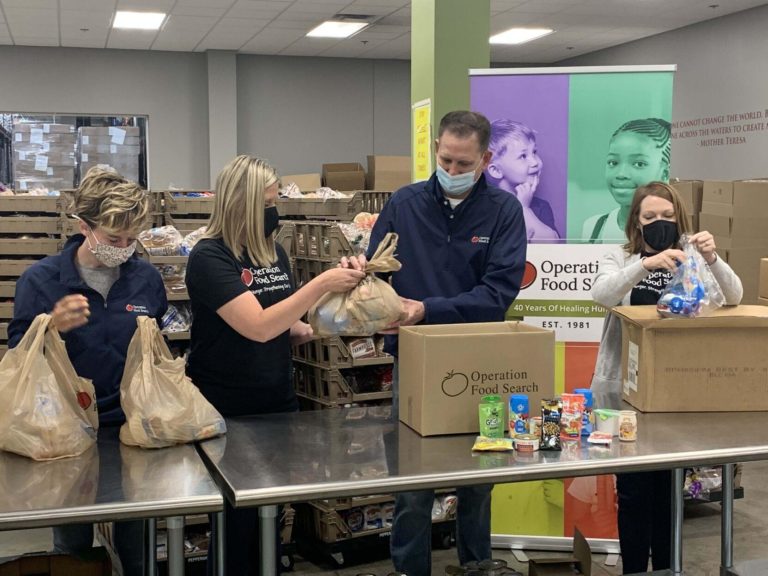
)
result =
(580, 563)
(744, 198)
(746, 264)
(445, 370)
(388, 172)
(87, 140)
(707, 364)
(691, 194)
(44, 127)
(344, 176)
(98, 564)
(734, 226)
(763, 291)
(305, 182)
(110, 149)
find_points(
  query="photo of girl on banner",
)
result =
(619, 138)
(638, 153)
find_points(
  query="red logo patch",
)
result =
(529, 275)
(246, 276)
(84, 399)
(129, 307)
(475, 239)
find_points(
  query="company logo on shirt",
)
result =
(137, 308)
(481, 240)
(246, 276)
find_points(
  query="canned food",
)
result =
(535, 426)
(628, 425)
(526, 443)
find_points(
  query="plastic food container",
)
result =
(607, 420)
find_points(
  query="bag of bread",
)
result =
(48, 411)
(162, 407)
(369, 307)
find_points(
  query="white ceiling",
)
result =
(279, 26)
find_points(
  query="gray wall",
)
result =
(169, 87)
(722, 72)
(303, 112)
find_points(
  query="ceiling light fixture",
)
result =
(335, 29)
(519, 35)
(139, 20)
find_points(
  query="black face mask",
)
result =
(661, 234)
(271, 220)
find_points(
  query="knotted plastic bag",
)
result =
(693, 290)
(162, 407)
(47, 411)
(369, 307)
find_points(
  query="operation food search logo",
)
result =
(138, 308)
(507, 381)
(529, 275)
(481, 240)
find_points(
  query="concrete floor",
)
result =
(701, 532)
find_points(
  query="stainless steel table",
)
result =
(284, 458)
(109, 482)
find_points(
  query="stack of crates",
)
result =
(328, 371)
(30, 229)
(186, 210)
(43, 156)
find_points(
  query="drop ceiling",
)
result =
(278, 27)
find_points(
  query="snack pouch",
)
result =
(48, 411)
(693, 290)
(162, 407)
(369, 307)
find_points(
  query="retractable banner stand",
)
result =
(572, 144)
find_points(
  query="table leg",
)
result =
(218, 545)
(175, 526)
(726, 529)
(268, 543)
(150, 547)
(678, 477)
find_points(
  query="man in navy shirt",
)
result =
(462, 245)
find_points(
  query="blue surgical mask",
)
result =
(458, 184)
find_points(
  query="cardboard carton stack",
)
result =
(734, 212)
(43, 156)
(388, 173)
(115, 146)
(344, 176)
(691, 192)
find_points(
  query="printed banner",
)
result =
(422, 140)
(572, 144)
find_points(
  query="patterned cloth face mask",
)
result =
(109, 256)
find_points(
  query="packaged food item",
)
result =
(372, 515)
(526, 443)
(627, 426)
(449, 503)
(484, 444)
(551, 418)
(362, 347)
(573, 408)
(600, 438)
(437, 509)
(587, 418)
(491, 414)
(387, 514)
(355, 519)
(162, 241)
(190, 240)
(607, 420)
(518, 414)
(534, 425)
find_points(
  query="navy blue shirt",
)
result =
(97, 349)
(465, 264)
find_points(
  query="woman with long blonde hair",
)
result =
(246, 314)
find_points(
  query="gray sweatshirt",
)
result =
(617, 273)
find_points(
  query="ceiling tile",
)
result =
(400, 18)
(178, 40)
(131, 39)
(200, 11)
(181, 24)
(271, 41)
(309, 46)
(145, 5)
(30, 4)
(205, 3)
(88, 5)
(35, 41)
(83, 42)
(76, 19)
(246, 9)
(32, 23)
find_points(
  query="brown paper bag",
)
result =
(162, 407)
(366, 309)
(47, 411)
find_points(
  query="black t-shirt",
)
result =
(237, 375)
(649, 289)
